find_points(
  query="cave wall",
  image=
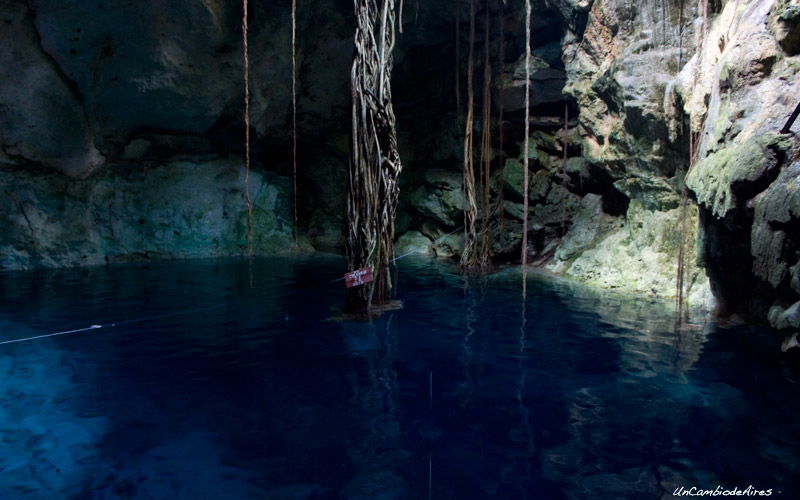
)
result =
(109, 107)
(609, 214)
(646, 77)
(739, 90)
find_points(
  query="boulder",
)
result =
(413, 243)
(546, 84)
(586, 227)
(788, 318)
(440, 198)
(449, 246)
(727, 178)
(513, 180)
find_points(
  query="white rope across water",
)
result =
(111, 325)
(188, 311)
(93, 327)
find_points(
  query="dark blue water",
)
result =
(257, 393)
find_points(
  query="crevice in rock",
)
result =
(69, 83)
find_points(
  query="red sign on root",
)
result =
(358, 277)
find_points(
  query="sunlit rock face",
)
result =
(739, 90)
(647, 75)
(628, 149)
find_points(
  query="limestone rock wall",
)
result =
(105, 106)
(739, 89)
(619, 214)
(173, 211)
(652, 79)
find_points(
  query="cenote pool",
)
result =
(256, 393)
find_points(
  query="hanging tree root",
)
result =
(484, 249)
(294, 119)
(680, 275)
(246, 78)
(375, 162)
(500, 111)
(525, 180)
(469, 257)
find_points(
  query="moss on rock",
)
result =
(717, 179)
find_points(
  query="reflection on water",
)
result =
(473, 390)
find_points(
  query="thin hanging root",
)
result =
(294, 117)
(486, 145)
(469, 255)
(527, 132)
(246, 76)
(564, 177)
(501, 57)
(681, 268)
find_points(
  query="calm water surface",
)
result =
(465, 393)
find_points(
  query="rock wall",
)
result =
(139, 95)
(607, 210)
(739, 90)
(133, 96)
(621, 69)
(652, 80)
(172, 211)
(609, 150)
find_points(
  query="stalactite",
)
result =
(525, 180)
(246, 77)
(469, 255)
(486, 144)
(294, 117)
(375, 162)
